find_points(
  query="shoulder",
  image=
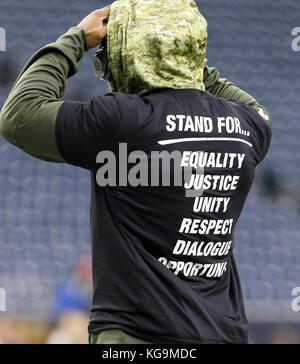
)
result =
(259, 123)
(121, 105)
(256, 115)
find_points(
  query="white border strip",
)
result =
(184, 140)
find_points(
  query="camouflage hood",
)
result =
(154, 44)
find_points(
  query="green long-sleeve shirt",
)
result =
(28, 117)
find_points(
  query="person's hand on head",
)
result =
(94, 26)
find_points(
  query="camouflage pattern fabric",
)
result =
(154, 44)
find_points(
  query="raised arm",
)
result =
(29, 115)
(28, 118)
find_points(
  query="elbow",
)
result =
(7, 129)
(3, 124)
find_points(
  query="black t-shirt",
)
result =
(163, 264)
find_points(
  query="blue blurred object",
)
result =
(68, 297)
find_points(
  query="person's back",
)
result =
(171, 167)
(162, 245)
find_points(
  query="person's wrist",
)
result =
(72, 44)
(84, 38)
